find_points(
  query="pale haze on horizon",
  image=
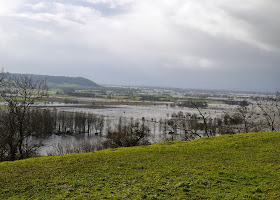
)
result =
(204, 44)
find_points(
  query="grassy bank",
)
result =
(227, 167)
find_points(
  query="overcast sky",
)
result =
(211, 44)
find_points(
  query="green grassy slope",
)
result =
(242, 166)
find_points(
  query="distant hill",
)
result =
(63, 81)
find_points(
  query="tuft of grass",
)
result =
(241, 166)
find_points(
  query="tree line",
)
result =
(263, 115)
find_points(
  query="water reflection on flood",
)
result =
(54, 139)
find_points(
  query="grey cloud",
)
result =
(216, 44)
(262, 21)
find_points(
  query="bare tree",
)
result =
(270, 110)
(3, 75)
(204, 117)
(3, 146)
(246, 114)
(99, 125)
(129, 134)
(18, 124)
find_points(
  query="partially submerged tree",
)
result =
(205, 117)
(246, 114)
(270, 111)
(18, 119)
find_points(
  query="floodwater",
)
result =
(53, 140)
(150, 113)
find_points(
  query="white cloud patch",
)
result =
(112, 3)
(7, 7)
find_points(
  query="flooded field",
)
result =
(150, 112)
(152, 115)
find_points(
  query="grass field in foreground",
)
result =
(242, 166)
